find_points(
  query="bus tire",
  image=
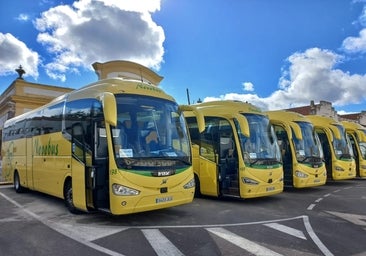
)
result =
(68, 197)
(17, 185)
(197, 191)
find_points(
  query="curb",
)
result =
(4, 183)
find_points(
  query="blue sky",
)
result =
(273, 53)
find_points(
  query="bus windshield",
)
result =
(150, 132)
(261, 147)
(363, 149)
(309, 148)
(342, 147)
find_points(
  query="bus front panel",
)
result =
(132, 192)
(261, 182)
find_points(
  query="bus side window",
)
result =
(78, 148)
(102, 150)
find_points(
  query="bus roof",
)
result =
(326, 122)
(356, 128)
(227, 107)
(287, 116)
(97, 89)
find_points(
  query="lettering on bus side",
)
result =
(9, 158)
(48, 149)
(113, 171)
(146, 87)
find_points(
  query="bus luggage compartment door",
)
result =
(78, 184)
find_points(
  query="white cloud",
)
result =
(355, 44)
(248, 86)
(362, 18)
(311, 75)
(89, 31)
(23, 17)
(13, 53)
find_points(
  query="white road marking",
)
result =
(310, 207)
(64, 232)
(79, 234)
(315, 238)
(287, 230)
(243, 243)
(354, 218)
(87, 232)
(318, 200)
(161, 245)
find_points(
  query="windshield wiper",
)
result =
(346, 156)
(266, 161)
(178, 158)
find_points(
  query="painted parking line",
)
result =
(287, 230)
(243, 243)
(161, 245)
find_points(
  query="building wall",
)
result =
(325, 108)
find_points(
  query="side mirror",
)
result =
(109, 108)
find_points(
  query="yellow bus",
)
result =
(236, 152)
(337, 149)
(119, 145)
(357, 136)
(302, 154)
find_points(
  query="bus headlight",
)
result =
(189, 184)
(120, 190)
(363, 166)
(300, 174)
(339, 169)
(249, 181)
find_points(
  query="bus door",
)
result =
(228, 162)
(89, 167)
(82, 171)
(101, 166)
(326, 151)
(285, 147)
(354, 142)
(209, 172)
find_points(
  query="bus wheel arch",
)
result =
(17, 184)
(68, 196)
(197, 191)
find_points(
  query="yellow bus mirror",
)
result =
(283, 125)
(335, 131)
(361, 135)
(109, 108)
(244, 126)
(297, 130)
(200, 118)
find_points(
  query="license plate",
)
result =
(163, 199)
(270, 189)
(316, 181)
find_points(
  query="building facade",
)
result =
(325, 108)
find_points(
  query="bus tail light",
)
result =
(249, 181)
(120, 190)
(189, 184)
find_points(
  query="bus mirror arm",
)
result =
(109, 108)
(244, 126)
(199, 116)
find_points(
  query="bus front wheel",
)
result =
(68, 197)
(17, 185)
